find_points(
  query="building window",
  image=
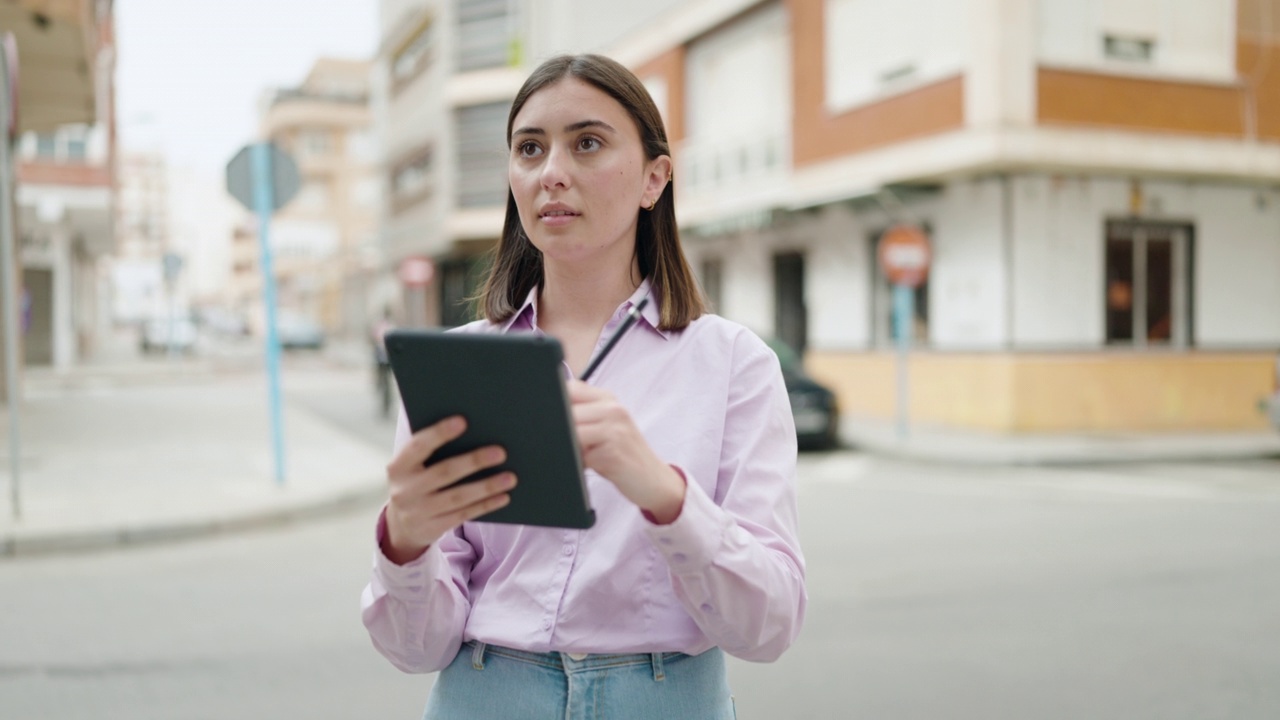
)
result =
(413, 56)
(411, 178)
(76, 149)
(882, 301)
(46, 146)
(314, 195)
(460, 282)
(713, 283)
(1128, 49)
(314, 143)
(482, 155)
(486, 36)
(1146, 293)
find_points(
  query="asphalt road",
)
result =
(1143, 591)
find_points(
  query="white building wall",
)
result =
(1058, 260)
(1059, 228)
(967, 292)
(748, 282)
(872, 53)
(838, 280)
(1237, 265)
(737, 148)
(1188, 39)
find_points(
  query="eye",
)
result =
(589, 143)
(528, 149)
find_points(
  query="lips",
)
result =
(557, 210)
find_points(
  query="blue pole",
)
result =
(904, 311)
(262, 204)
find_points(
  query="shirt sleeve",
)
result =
(415, 613)
(735, 559)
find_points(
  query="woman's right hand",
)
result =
(422, 506)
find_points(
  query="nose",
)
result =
(555, 169)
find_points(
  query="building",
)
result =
(1100, 184)
(324, 241)
(142, 238)
(443, 82)
(65, 169)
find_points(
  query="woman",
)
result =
(686, 434)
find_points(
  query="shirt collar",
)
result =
(526, 318)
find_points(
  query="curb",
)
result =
(1007, 451)
(1034, 459)
(55, 542)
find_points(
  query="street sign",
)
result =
(263, 177)
(905, 255)
(284, 177)
(11, 58)
(416, 271)
(172, 263)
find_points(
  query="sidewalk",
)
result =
(119, 452)
(945, 445)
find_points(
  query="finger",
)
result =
(475, 510)
(425, 442)
(447, 472)
(454, 500)
(587, 413)
(580, 392)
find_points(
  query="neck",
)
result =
(578, 298)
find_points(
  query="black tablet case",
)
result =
(511, 390)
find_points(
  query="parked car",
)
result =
(813, 406)
(298, 332)
(223, 322)
(1271, 404)
(164, 334)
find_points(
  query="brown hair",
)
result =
(517, 265)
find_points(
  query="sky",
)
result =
(190, 72)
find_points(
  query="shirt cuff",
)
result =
(691, 541)
(406, 581)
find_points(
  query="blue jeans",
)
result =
(497, 683)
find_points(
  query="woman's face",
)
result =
(579, 175)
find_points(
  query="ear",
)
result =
(658, 174)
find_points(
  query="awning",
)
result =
(57, 48)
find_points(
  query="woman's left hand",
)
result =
(613, 446)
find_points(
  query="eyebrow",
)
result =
(574, 127)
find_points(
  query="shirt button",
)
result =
(665, 540)
(679, 557)
(546, 624)
(568, 549)
(706, 608)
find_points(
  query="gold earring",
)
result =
(652, 203)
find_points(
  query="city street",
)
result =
(1124, 591)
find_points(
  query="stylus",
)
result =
(627, 322)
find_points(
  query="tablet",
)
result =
(511, 390)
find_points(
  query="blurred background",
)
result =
(1054, 494)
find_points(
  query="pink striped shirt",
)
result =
(727, 572)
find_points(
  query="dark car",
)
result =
(1271, 404)
(814, 407)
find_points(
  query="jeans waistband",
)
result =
(567, 663)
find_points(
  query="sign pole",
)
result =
(904, 255)
(264, 205)
(904, 301)
(8, 278)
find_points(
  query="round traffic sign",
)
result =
(905, 255)
(417, 271)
